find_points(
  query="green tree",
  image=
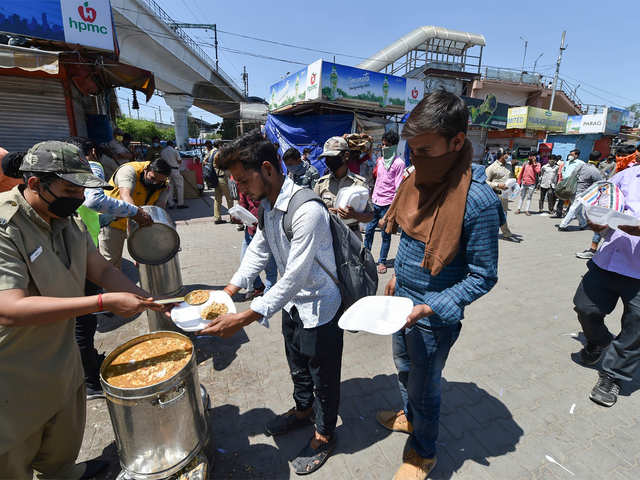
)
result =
(144, 130)
(228, 130)
(194, 127)
(635, 108)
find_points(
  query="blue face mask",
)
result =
(155, 144)
(297, 170)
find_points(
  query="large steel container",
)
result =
(161, 281)
(154, 244)
(160, 428)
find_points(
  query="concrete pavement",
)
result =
(512, 395)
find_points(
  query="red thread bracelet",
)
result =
(99, 302)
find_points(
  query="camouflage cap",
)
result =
(334, 147)
(65, 160)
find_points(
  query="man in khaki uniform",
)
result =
(170, 155)
(45, 259)
(497, 174)
(221, 189)
(336, 154)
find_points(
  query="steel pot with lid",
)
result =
(158, 428)
(156, 243)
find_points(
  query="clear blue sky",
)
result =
(603, 37)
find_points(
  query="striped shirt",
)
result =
(472, 273)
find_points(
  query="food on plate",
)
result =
(149, 362)
(197, 297)
(211, 312)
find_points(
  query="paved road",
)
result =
(512, 393)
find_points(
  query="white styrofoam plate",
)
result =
(187, 317)
(379, 315)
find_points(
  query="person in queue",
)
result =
(45, 258)
(10, 175)
(613, 275)
(114, 153)
(308, 297)
(170, 155)
(137, 183)
(154, 150)
(222, 190)
(336, 155)
(389, 174)
(497, 175)
(299, 170)
(447, 258)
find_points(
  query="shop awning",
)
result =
(29, 59)
(87, 74)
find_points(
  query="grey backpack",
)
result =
(357, 273)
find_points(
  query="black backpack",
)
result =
(357, 273)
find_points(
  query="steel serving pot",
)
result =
(159, 428)
(156, 243)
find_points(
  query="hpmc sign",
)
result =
(88, 23)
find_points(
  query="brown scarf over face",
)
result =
(430, 203)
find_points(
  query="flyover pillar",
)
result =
(180, 105)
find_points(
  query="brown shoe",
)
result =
(414, 467)
(394, 421)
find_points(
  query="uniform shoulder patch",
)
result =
(8, 208)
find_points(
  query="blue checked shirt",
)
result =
(472, 273)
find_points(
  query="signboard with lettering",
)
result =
(608, 122)
(534, 118)
(87, 23)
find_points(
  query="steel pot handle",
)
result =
(179, 394)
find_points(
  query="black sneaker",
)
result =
(606, 391)
(590, 354)
(587, 254)
(94, 392)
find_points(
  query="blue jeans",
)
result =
(420, 354)
(271, 270)
(378, 213)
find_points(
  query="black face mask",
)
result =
(148, 184)
(334, 163)
(62, 206)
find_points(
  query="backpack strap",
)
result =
(261, 217)
(299, 198)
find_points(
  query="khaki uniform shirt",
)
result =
(497, 174)
(328, 186)
(40, 366)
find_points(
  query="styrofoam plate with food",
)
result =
(379, 315)
(190, 317)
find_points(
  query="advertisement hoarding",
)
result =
(534, 118)
(289, 90)
(362, 88)
(348, 86)
(87, 23)
(487, 113)
(608, 122)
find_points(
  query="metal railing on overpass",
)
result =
(512, 75)
(159, 12)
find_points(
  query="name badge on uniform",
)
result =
(36, 253)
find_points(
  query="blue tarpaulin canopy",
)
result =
(307, 131)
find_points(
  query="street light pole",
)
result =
(555, 77)
(535, 64)
(526, 43)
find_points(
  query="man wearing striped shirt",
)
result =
(447, 258)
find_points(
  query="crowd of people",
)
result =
(63, 216)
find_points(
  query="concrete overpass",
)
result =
(183, 71)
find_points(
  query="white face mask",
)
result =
(570, 158)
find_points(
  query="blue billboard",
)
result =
(41, 19)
